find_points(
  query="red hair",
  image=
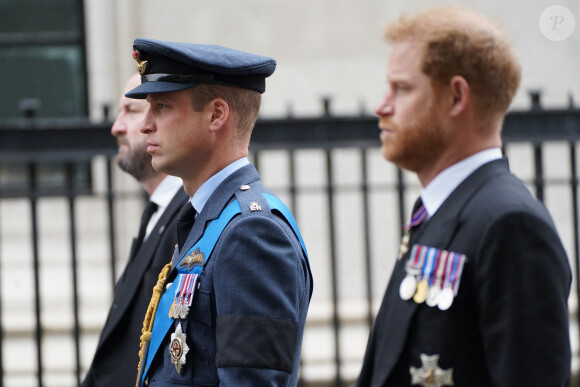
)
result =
(460, 41)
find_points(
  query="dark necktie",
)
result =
(418, 215)
(149, 210)
(185, 223)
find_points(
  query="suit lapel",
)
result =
(136, 269)
(394, 319)
(441, 229)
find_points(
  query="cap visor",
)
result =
(141, 91)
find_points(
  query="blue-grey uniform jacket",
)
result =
(246, 321)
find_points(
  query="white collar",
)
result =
(166, 190)
(439, 189)
(162, 196)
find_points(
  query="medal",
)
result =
(433, 295)
(178, 348)
(435, 288)
(179, 294)
(445, 298)
(183, 312)
(446, 295)
(183, 307)
(188, 296)
(453, 271)
(430, 374)
(176, 311)
(173, 312)
(407, 288)
(421, 292)
(423, 285)
(409, 283)
(183, 296)
(432, 276)
(413, 269)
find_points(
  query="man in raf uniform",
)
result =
(230, 309)
(478, 295)
(114, 361)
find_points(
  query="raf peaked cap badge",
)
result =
(195, 257)
(141, 64)
(430, 374)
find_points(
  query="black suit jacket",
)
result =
(116, 358)
(508, 325)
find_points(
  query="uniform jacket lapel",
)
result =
(219, 199)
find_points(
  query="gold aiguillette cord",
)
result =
(150, 317)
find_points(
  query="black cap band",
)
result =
(178, 78)
(252, 82)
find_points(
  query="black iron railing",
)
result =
(68, 144)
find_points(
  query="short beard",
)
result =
(421, 142)
(137, 163)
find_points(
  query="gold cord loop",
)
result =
(150, 317)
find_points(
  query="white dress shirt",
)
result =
(162, 197)
(439, 189)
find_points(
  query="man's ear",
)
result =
(459, 89)
(220, 112)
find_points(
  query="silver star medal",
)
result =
(430, 374)
(178, 348)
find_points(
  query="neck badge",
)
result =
(415, 220)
